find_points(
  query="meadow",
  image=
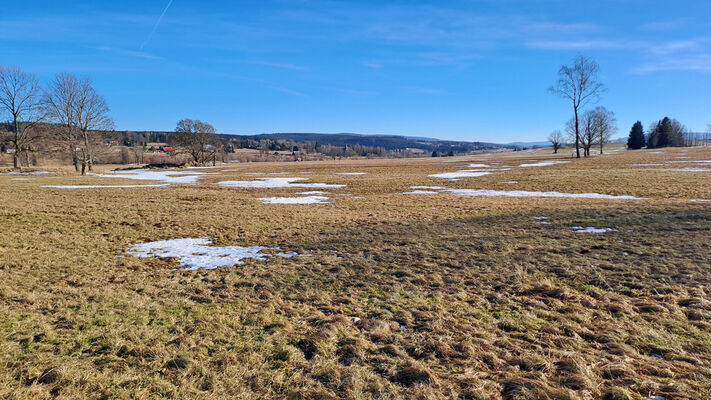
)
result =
(401, 285)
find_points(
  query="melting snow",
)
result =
(350, 173)
(590, 229)
(522, 193)
(478, 166)
(460, 174)
(510, 182)
(700, 201)
(27, 173)
(313, 192)
(647, 165)
(167, 176)
(428, 187)
(277, 183)
(693, 170)
(295, 200)
(543, 164)
(196, 253)
(101, 186)
(421, 192)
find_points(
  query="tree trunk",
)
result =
(87, 154)
(577, 134)
(17, 161)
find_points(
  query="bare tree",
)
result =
(556, 138)
(81, 112)
(604, 125)
(580, 85)
(20, 99)
(198, 139)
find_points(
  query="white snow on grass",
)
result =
(510, 182)
(543, 164)
(196, 253)
(590, 229)
(277, 183)
(647, 165)
(102, 186)
(693, 170)
(313, 192)
(478, 166)
(700, 201)
(460, 174)
(421, 192)
(167, 176)
(295, 200)
(350, 173)
(428, 187)
(689, 162)
(522, 193)
(28, 173)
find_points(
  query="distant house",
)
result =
(9, 148)
(166, 149)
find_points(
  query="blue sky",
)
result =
(470, 70)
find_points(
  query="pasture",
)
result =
(430, 278)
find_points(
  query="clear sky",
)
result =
(470, 70)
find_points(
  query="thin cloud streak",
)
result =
(160, 18)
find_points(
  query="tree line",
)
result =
(666, 132)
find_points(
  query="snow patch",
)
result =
(28, 173)
(167, 176)
(350, 173)
(428, 187)
(460, 174)
(543, 164)
(295, 200)
(522, 193)
(420, 192)
(102, 186)
(590, 229)
(196, 253)
(313, 192)
(277, 183)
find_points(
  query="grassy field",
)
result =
(404, 296)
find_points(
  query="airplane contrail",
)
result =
(156, 25)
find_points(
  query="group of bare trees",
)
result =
(580, 85)
(596, 128)
(71, 104)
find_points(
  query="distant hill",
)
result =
(389, 142)
(528, 144)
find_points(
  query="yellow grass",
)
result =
(458, 297)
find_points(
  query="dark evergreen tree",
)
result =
(636, 138)
(666, 133)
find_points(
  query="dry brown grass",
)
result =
(459, 297)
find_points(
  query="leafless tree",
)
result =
(20, 96)
(579, 84)
(198, 139)
(556, 138)
(604, 125)
(81, 113)
(586, 136)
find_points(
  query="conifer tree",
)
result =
(636, 138)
